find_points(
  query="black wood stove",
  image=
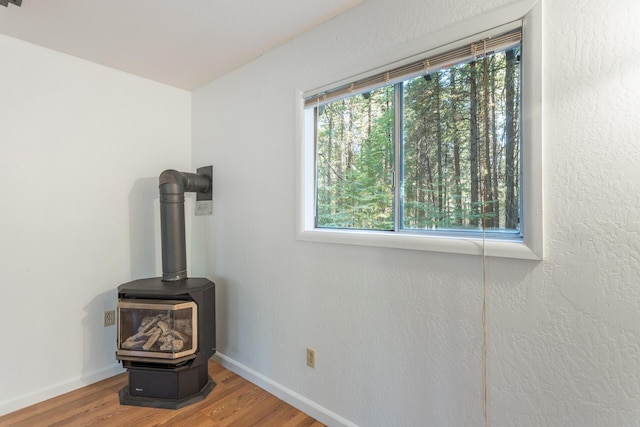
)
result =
(166, 326)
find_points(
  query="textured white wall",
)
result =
(397, 333)
(81, 147)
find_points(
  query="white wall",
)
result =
(397, 333)
(81, 147)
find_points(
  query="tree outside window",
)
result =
(437, 152)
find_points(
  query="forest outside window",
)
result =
(443, 145)
(436, 152)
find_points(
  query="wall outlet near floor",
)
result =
(311, 358)
(109, 317)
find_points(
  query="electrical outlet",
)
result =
(109, 317)
(311, 358)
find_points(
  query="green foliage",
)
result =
(355, 162)
(459, 171)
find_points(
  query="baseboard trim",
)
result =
(59, 389)
(294, 399)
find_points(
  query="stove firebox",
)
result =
(166, 329)
(166, 326)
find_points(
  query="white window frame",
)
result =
(531, 246)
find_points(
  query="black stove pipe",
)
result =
(173, 185)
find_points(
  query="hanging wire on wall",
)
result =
(484, 183)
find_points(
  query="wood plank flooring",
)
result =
(233, 402)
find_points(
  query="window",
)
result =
(432, 148)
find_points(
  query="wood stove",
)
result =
(166, 326)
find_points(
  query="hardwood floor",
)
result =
(233, 402)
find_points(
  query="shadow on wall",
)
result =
(222, 324)
(98, 341)
(142, 228)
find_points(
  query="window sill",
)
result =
(447, 244)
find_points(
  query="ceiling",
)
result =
(182, 43)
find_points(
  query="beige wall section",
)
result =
(397, 333)
(81, 147)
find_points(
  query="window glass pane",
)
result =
(354, 161)
(461, 127)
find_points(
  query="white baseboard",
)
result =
(294, 399)
(59, 389)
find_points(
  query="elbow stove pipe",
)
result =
(172, 186)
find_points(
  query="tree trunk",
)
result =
(328, 179)
(457, 191)
(511, 201)
(486, 191)
(494, 149)
(440, 215)
(473, 157)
